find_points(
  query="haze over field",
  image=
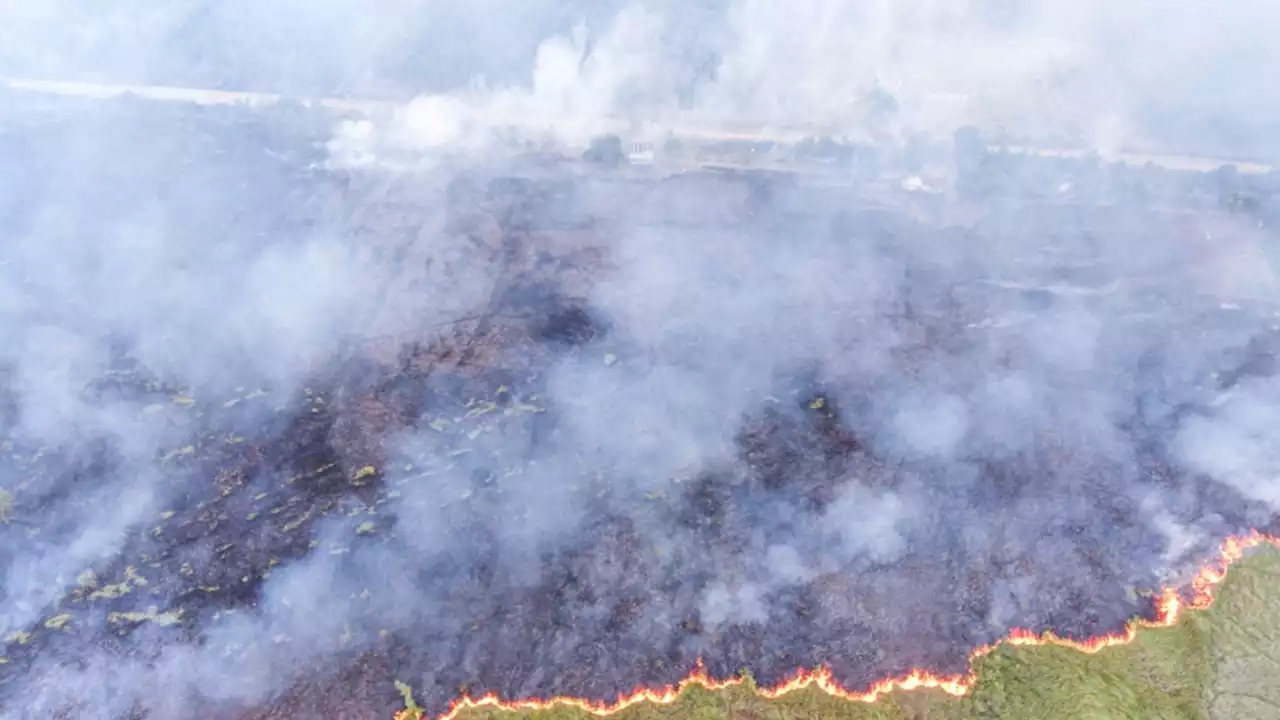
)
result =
(271, 422)
(1188, 75)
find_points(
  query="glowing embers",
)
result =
(821, 678)
(1169, 607)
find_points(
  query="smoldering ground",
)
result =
(278, 434)
(568, 432)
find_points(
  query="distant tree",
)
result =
(605, 151)
(881, 108)
(969, 152)
(1227, 183)
(968, 149)
(881, 104)
(917, 153)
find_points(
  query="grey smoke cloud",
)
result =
(1234, 442)
(796, 402)
(1093, 74)
(1138, 74)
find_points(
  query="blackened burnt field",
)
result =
(276, 436)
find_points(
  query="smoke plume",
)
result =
(300, 399)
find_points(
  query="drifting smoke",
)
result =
(279, 418)
(1140, 73)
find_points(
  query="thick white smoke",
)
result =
(239, 272)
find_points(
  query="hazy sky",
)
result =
(1133, 71)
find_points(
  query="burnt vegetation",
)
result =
(258, 477)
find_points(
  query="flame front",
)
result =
(1169, 608)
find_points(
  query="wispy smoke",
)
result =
(295, 398)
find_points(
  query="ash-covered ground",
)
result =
(276, 436)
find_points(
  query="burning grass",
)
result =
(553, 494)
(1214, 662)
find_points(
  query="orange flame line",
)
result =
(1169, 609)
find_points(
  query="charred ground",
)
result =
(423, 504)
